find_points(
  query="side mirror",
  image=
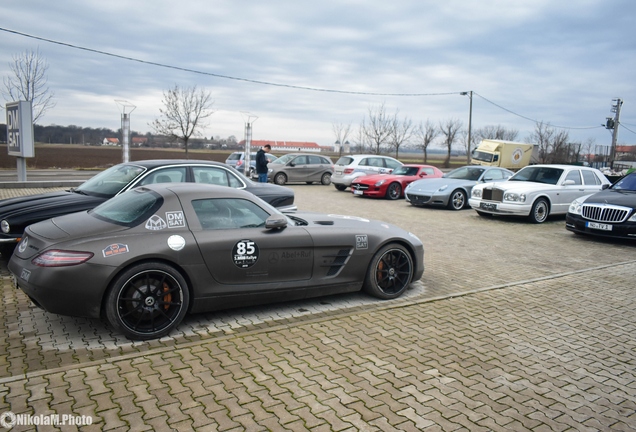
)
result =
(488, 179)
(568, 183)
(276, 221)
(605, 186)
(292, 164)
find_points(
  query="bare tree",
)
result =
(183, 114)
(28, 82)
(560, 150)
(400, 133)
(449, 130)
(425, 133)
(543, 135)
(497, 132)
(378, 130)
(341, 131)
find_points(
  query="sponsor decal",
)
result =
(156, 223)
(245, 253)
(115, 249)
(517, 155)
(295, 255)
(175, 219)
(362, 241)
(176, 242)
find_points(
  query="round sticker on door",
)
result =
(245, 253)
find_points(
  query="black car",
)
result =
(17, 213)
(608, 213)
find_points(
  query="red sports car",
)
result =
(392, 185)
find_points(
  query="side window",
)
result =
(316, 160)
(428, 171)
(590, 178)
(165, 175)
(229, 213)
(376, 162)
(365, 162)
(393, 164)
(495, 174)
(574, 175)
(210, 175)
(300, 160)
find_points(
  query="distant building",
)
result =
(139, 141)
(111, 142)
(285, 146)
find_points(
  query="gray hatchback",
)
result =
(300, 167)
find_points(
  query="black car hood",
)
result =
(23, 211)
(275, 195)
(613, 196)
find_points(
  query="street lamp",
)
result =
(470, 114)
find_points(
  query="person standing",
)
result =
(261, 163)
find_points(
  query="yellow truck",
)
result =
(505, 154)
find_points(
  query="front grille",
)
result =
(358, 186)
(605, 213)
(418, 199)
(493, 194)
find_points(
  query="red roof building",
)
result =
(285, 146)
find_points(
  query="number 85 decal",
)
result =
(245, 253)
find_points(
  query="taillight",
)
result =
(239, 163)
(348, 170)
(61, 258)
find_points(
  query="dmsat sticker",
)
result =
(175, 219)
(115, 249)
(362, 241)
(245, 253)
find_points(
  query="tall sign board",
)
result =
(20, 134)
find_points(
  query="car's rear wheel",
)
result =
(280, 179)
(540, 211)
(390, 272)
(340, 187)
(147, 301)
(457, 200)
(394, 191)
(325, 179)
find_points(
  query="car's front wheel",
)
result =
(540, 211)
(340, 187)
(147, 301)
(457, 200)
(394, 191)
(390, 272)
(280, 179)
(325, 179)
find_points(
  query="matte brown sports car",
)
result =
(149, 256)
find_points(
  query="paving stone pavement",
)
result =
(513, 326)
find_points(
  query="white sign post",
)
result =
(20, 134)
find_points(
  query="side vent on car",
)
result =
(337, 261)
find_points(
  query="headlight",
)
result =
(633, 218)
(4, 225)
(476, 193)
(270, 170)
(443, 188)
(576, 207)
(380, 183)
(514, 197)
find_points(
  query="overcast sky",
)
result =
(560, 62)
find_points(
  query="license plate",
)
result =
(357, 192)
(488, 206)
(599, 226)
(338, 172)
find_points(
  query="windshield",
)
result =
(405, 171)
(284, 159)
(130, 208)
(627, 183)
(482, 156)
(466, 173)
(108, 183)
(536, 174)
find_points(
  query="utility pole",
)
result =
(470, 120)
(613, 124)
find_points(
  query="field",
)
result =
(72, 156)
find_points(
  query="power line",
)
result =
(219, 75)
(268, 83)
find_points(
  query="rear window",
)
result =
(234, 157)
(344, 160)
(130, 208)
